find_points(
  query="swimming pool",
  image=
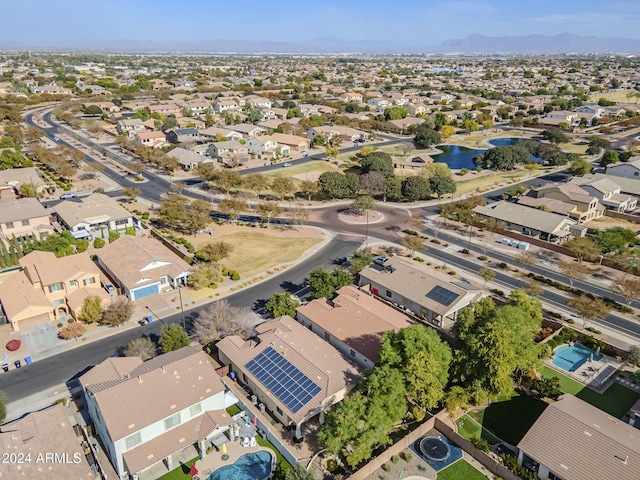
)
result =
(572, 357)
(250, 466)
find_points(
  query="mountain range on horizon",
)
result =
(475, 43)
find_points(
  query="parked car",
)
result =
(286, 164)
(68, 195)
(108, 287)
(56, 139)
(380, 259)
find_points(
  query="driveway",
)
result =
(41, 338)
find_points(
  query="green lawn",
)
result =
(233, 409)
(282, 466)
(511, 418)
(469, 428)
(616, 400)
(183, 472)
(461, 470)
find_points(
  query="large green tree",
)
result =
(425, 136)
(281, 304)
(173, 337)
(579, 167)
(338, 185)
(380, 162)
(91, 310)
(416, 188)
(424, 360)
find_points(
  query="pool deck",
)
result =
(235, 450)
(595, 374)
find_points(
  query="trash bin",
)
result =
(17, 363)
(149, 319)
(5, 367)
(27, 360)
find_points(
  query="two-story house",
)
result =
(146, 413)
(222, 105)
(142, 266)
(24, 217)
(266, 145)
(49, 288)
(255, 101)
(351, 97)
(379, 103)
(608, 193)
(588, 205)
(130, 126)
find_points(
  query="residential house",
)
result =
(188, 159)
(294, 142)
(247, 130)
(587, 205)
(49, 289)
(150, 139)
(379, 103)
(223, 105)
(131, 126)
(146, 413)
(217, 132)
(353, 322)
(165, 109)
(94, 216)
(629, 185)
(563, 116)
(416, 110)
(230, 147)
(292, 372)
(307, 109)
(34, 438)
(266, 145)
(630, 169)
(442, 98)
(142, 266)
(608, 193)
(24, 217)
(256, 101)
(550, 205)
(51, 90)
(402, 125)
(279, 113)
(198, 107)
(594, 110)
(428, 293)
(528, 221)
(341, 132)
(573, 440)
(12, 178)
(351, 97)
(180, 135)
(108, 107)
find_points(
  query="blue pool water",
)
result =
(250, 466)
(457, 157)
(572, 357)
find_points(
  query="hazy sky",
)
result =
(402, 22)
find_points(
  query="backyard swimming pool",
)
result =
(250, 466)
(572, 357)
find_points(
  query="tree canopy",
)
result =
(504, 158)
(380, 162)
(173, 337)
(281, 304)
(425, 136)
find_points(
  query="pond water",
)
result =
(457, 157)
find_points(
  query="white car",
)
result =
(380, 259)
(56, 139)
(287, 164)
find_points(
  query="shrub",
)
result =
(498, 292)
(593, 343)
(571, 321)
(465, 251)
(145, 216)
(386, 467)
(512, 464)
(408, 456)
(502, 265)
(436, 241)
(233, 275)
(593, 330)
(418, 259)
(98, 242)
(482, 257)
(410, 232)
(452, 273)
(59, 325)
(481, 444)
(395, 459)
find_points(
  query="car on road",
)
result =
(380, 259)
(68, 195)
(56, 139)
(286, 164)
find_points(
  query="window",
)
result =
(164, 280)
(352, 353)
(73, 283)
(195, 409)
(44, 235)
(9, 224)
(25, 223)
(172, 421)
(121, 222)
(278, 410)
(635, 174)
(327, 336)
(56, 287)
(388, 293)
(133, 440)
(89, 281)
(60, 301)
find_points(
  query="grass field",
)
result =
(469, 429)
(510, 419)
(461, 470)
(300, 169)
(616, 400)
(620, 97)
(255, 252)
(490, 181)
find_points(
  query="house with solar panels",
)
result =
(294, 374)
(428, 293)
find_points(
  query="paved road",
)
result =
(63, 367)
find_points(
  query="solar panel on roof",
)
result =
(442, 295)
(292, 387)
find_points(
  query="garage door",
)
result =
(34, 321)
(144, 291)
